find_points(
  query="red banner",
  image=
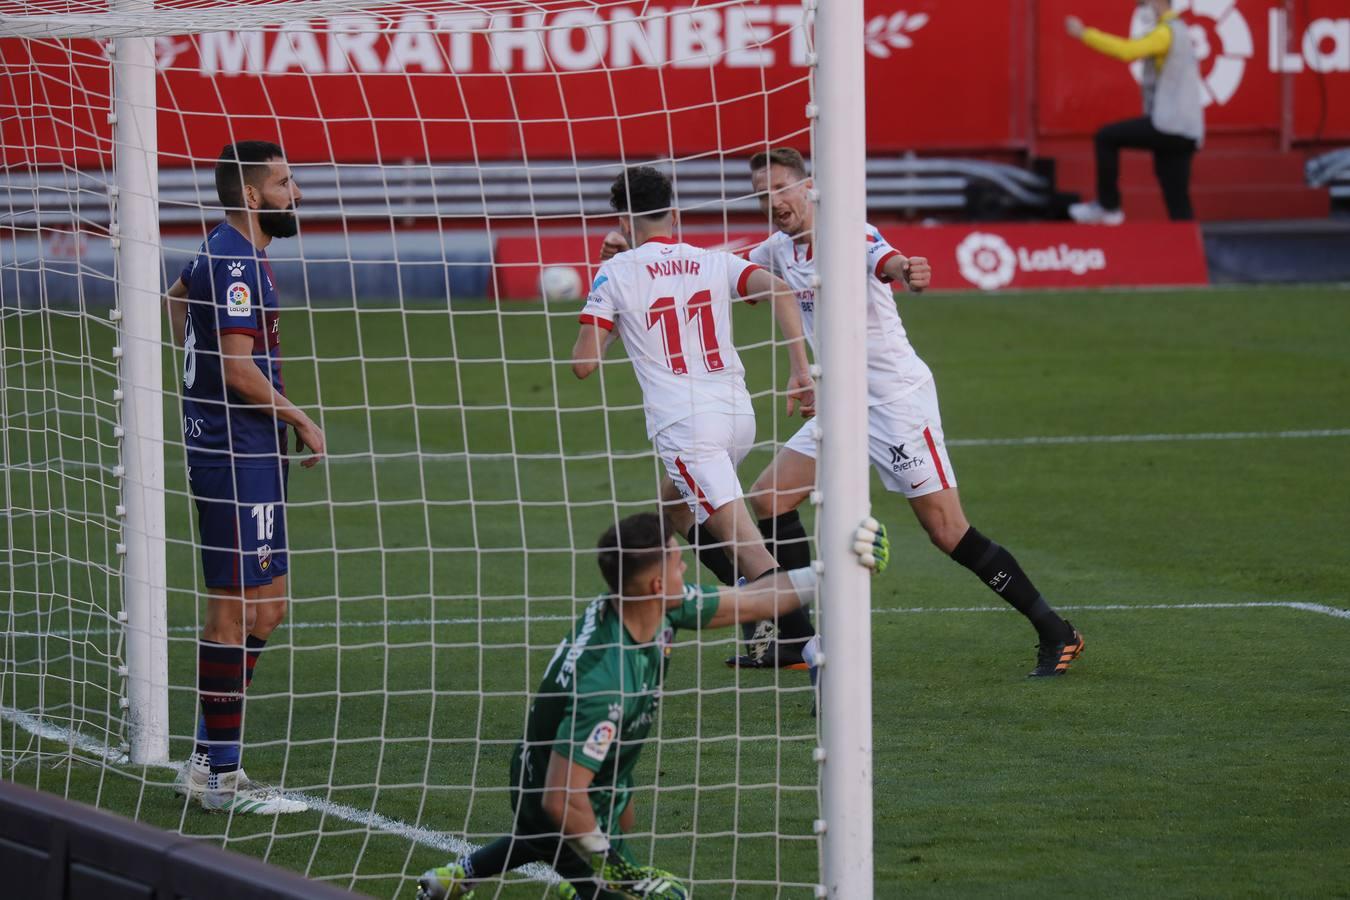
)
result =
(595, 82)
(996, 257)
(634, 80)
(986, 257)
(1246, 48)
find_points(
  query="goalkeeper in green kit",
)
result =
(572, 775)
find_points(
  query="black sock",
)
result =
(513, 851)
(253, 648)
(997, 568)
(220, 685)
(717, 562)
(490, 860)
(786, 539)
(715, 557)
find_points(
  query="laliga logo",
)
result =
(986, 260)
(1235, 45)
(1325, 46)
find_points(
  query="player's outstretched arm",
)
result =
(1156, 43)
(592, 342)
(781, 593)
(801, 388)
(914, 271)
(176, 304)
(249, 384)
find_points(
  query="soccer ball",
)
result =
(560, 283)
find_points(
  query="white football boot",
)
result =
(192, 776)
(235, 792)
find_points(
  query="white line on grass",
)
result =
(1320, 609)
(418, 455)
(1149, 438)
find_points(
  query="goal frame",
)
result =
(134, 229)
(838, 114)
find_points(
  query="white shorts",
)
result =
(701, 454)
(904, 442)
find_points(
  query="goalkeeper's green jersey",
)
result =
(596, 705)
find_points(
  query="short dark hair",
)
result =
(239, 165)
(631, 547)
(779, 156)
(642, 191)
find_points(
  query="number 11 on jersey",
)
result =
(664, 312)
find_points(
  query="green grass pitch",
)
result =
(1197, 748)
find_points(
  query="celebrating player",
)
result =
(905, 437)
(224, 312)
(572, 775)
(671, 303)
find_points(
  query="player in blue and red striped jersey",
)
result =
(225, 314)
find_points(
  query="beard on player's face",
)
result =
(278, 221)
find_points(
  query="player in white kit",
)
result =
(670, 302)
(905, 439)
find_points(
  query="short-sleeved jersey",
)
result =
(596, 704)
(672, 305)
(893, 368)
(230, 291)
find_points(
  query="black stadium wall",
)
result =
(53, 849)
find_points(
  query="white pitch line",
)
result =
(305, 626)
(61, 735)
(1321, 609)
(1333, 611)
(1148, 438)
(417, 455)
(368, 819)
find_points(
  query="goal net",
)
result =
(455, 162)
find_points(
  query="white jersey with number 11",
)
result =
(671, 303)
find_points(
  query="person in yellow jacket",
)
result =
(1173, 124)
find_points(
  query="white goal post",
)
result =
(134, 230)
(378, 203)
(842, 476)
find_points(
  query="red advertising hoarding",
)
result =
(681, 80)
(627, 79)
(964, 257)
(1249, 50)
(1013, 257)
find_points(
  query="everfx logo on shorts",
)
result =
(901, 461)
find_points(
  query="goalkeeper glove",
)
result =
(872, 545)
(653, 884)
